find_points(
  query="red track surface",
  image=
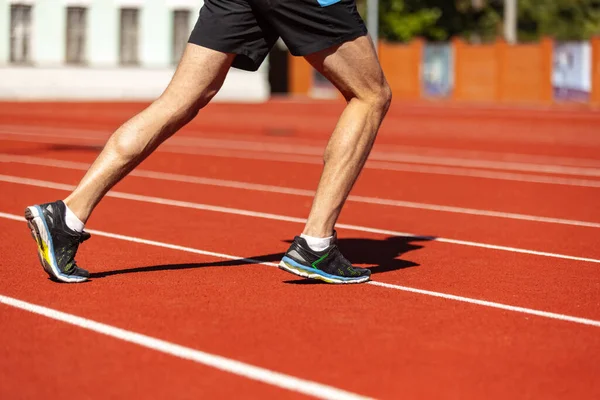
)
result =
(371, 340)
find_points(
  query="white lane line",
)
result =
(377, 155)
(239, 368)
(474, 173)
(485, 164)
(492, 155)
(388, 166)
(277, 217)
(314, 160)
(472, 211)
(7, 158)
(484, 303)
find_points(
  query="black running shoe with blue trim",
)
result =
(328, 265)
(57, 243)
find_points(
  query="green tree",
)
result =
(481, 20)
(561, 19)
(401, 22)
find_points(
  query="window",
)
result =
(181, 33)
(20, 33)
(129, 36)
(76, 28)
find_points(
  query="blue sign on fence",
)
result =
(438, 70)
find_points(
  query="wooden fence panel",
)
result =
(595, 97)
(475, 72)
(525, 72)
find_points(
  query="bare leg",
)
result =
(198, 78)
(354, 69)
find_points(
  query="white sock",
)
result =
(317, 244)
(72, 221)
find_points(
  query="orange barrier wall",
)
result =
(476, 72)
(496, 72)
(502, 72)
(401, 64)
(595, 98)
(525, 72)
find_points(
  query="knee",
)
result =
(164, 117)
(126, 144)
(380, 97)
(387, 96)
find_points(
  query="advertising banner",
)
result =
(571, 77)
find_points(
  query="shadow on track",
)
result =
(379, 255)
(42, 148)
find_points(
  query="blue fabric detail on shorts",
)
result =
(325, 3)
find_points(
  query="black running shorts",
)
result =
(249, 28)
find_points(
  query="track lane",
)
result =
(403, 352)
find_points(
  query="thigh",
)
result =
(236, 27)
(353, 67)
(198, 77)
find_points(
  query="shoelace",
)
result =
(337, 253)
(82, 238)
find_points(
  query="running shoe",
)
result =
(57, 243)
(328, 265)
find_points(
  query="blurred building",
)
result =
(102, 49)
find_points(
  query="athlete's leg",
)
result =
(331, 35)
(354, 69)
(198, 78)
(57, 227)
(228, 33)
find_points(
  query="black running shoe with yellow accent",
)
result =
(328, 265)
(57, 243)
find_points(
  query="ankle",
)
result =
(319, 232)
(74, 215)
(318, 243)
(72, 221)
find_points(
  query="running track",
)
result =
(482, 226)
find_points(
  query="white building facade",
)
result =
(102, 50)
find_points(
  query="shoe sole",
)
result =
(41, 235)
(322, 276)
